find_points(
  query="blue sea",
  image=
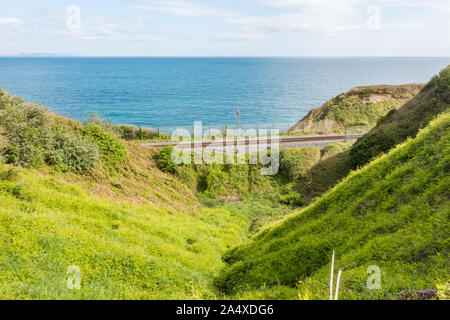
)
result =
(162, 92)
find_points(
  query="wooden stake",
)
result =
(337, 284)
(331, 279)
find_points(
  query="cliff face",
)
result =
(357, 109)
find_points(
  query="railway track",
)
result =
(283, 140)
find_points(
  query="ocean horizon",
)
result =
(176, 91)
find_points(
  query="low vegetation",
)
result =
(126, 131)
(140, 227)
(357, 110)
(392, 213)
(124, 250)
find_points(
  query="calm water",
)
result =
(177, 91)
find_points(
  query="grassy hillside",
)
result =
(398, 125)
(326, 173)
(74, 194)
(361, 106)
(77, 194)
(139, 227)
(124, 250)
(394, 213)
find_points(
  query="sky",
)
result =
(226, 28)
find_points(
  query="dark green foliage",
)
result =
(10, 174)
(296, 162)
(129, 132)
(216, 181)
(35, 137)
(293, 199)
(364, 94)
(17, 191)
(74, 154)
(396, 127)
(188, 175)
(112, 150)
(164, 160)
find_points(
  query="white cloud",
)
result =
(107, 29)
(182, 8)
(441, 5)
(10, 21)
(237, 37)
(330, 17)
(323, 16)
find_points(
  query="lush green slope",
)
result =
(361, 106)
(74, 194)
(124, 250)
(406, 122)
(326, 173)
(394, 213)
(86, 198)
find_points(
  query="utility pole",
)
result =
(236, 116)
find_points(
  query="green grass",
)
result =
(330, 170)
(394, 213)
(139, 227)
(125, 251)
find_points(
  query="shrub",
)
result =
(128, 132)
(147, 133)
(75, 154)
(123, 131)
(112, 150)
(95, 120)
(11, 174)
(9, 100)
(444, 77)
(188, 175)
(3, 141)
(164, 160)
(293, 199)
(28, 130)
(216, 181)
(296, 162)
(364, 95)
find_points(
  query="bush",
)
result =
(296, 162)
(188, 175)
(293, 199)
(216, 181)
(11, 174)
(147, 133)
(128, 132)
(123, 131)
(31, 136)
(444, 77)
(74, 154)
(112, 150)
(28, 130)
(164, 161)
